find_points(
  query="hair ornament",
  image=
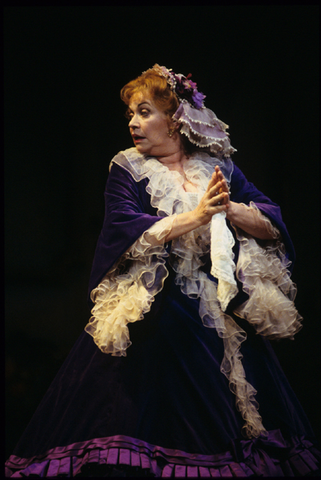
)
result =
(185, 89)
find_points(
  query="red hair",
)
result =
(158, 89)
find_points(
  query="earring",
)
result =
(170, 133)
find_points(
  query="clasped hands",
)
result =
(216, 198)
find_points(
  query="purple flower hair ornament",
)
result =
(187, 90)
(184, 88)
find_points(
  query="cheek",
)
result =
(162, 130)
(156, 130)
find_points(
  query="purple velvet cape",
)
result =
(166, 408)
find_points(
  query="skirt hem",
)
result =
(126, 456)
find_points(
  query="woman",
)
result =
(190, 280)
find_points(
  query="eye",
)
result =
(144, 112)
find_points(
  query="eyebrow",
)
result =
(142, 103)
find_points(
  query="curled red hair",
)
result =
(158, 89)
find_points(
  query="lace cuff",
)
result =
(266, 279)
(272, 230)
(125, 297)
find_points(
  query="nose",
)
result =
(133, 121)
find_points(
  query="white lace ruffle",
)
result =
(125, 297)
(203, 128)
(166, 186)
(122, 298)
(266, 279)
(223, 267)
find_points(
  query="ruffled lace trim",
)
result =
(207, 141)
(166, 186)
(223, 267)
(266, 279)
(203, 128)
(203, 114)
(125, 297)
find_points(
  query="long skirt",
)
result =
(165, 409)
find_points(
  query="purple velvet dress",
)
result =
(165, 409)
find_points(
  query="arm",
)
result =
(248, 220)
(215, 200)
(126, 219)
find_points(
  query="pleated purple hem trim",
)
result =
(125, 456)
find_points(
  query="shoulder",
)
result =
(237, 172)
(121, 167)
(127, 157)
(238, 177)
(125, 177)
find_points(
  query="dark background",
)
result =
(64, 121)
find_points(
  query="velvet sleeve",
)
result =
(243, 191)
(127, 215)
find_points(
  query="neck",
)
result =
(172, 160)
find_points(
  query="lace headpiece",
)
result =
(200, 124)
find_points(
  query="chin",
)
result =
(149, 150)
(142, 149)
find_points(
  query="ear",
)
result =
(174, 125)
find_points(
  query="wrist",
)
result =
(195, 219)
(231, 211)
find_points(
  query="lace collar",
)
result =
(196, 168)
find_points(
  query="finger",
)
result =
(224, 185)
(218, 171)
(223, 198)
(217, 209)
(219, 174)
(223, 189)
(216, 176)
(212, 181)
(226, 199)
(218, 199)
(215, 190)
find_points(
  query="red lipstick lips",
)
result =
(137, 138)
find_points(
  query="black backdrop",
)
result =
(64, 121)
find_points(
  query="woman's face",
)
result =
(148, 126)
